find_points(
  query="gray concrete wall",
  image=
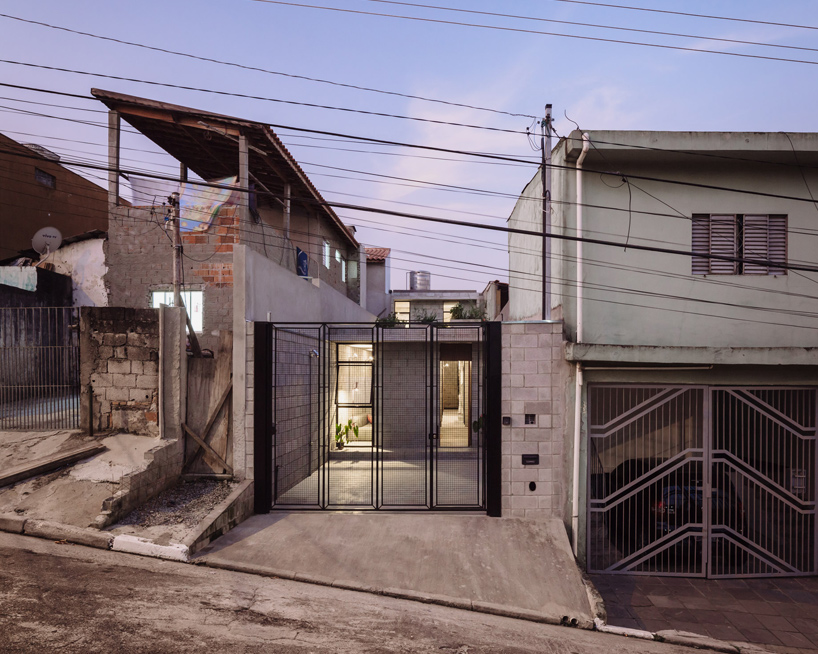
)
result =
(642, 298)
(271, 289)
(377, 289)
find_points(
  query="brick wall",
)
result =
(534, 378)
(119, 350)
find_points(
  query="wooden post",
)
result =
(113, 159)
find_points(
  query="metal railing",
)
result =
(39, 368)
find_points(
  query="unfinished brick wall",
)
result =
(139, 255)
(534, 378)
(119, 369)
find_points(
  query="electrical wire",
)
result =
(520, 30)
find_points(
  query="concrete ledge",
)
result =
(689, 639)
(250, 569)
(48, 463)
(712, 356)
(143, 546)
(12, 522)
(78, 535)
(519, 614)
(232, 511)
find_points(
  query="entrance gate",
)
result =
(412, 397)
(702, 481)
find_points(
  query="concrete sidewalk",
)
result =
(503, 566)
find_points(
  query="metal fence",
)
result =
(412, 397)
(39, 368)
(702, 481)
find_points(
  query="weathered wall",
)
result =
(535, 379)
(140, 259)
(84, 263)
(74, 206)
(119, 351)
(525, 254)
(52, 289)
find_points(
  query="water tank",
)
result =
(420, 280)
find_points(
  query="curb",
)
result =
(146, 547)
(55, 531)
(399, 593)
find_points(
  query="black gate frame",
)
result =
(264, 472)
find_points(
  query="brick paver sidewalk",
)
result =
(778, 614)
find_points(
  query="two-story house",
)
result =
(682, 267)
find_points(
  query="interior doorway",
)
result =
(455, 404)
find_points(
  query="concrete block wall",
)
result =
(119, 369)
(534, 379)
(243, 452)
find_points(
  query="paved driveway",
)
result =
(778, 614)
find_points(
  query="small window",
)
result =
(326, 254)
(530, 419)
(343, 270)
(194, 303)
(45, 179)
(743, 236)
(402, 311)
(447, 310)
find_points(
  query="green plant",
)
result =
(389, 320)
(458, 311)
(467, 312)
(477, 425)
(342, 431)
(426, 317)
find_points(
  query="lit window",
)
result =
(194, 303)
(447, 311)
(326, 254)
(343, 270)
(402, 311)
(45, 179)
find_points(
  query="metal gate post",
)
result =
(492, 424)
(263, 417)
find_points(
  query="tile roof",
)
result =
(376, 255)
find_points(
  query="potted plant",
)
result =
(342, 433)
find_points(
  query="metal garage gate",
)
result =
(702, 481)
(414, 396)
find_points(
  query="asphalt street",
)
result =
(68, 598)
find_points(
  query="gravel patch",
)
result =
(186, 504)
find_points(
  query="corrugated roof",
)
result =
(205, 142)
(376, 255)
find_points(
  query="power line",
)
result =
(247, 96)
(539, 33)
(682, 13)
(264, 70)
(596, 25)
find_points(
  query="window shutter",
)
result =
(777, 244)
(723, 241)
(701, 243)
(756, 246)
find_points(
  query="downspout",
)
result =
(586, 142)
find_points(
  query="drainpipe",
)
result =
(577, 441)
(586, 142)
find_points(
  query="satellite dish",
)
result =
(47, 240)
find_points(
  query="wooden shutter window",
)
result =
(777, 244)
(701, 243)
(723, 242)
(756, 243)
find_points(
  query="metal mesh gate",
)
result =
(39, 368)
(413, 399)
(702, 481)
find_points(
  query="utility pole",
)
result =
(545, 146)
(177, 271)
(177, 250)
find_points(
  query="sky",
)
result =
(510, 71)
